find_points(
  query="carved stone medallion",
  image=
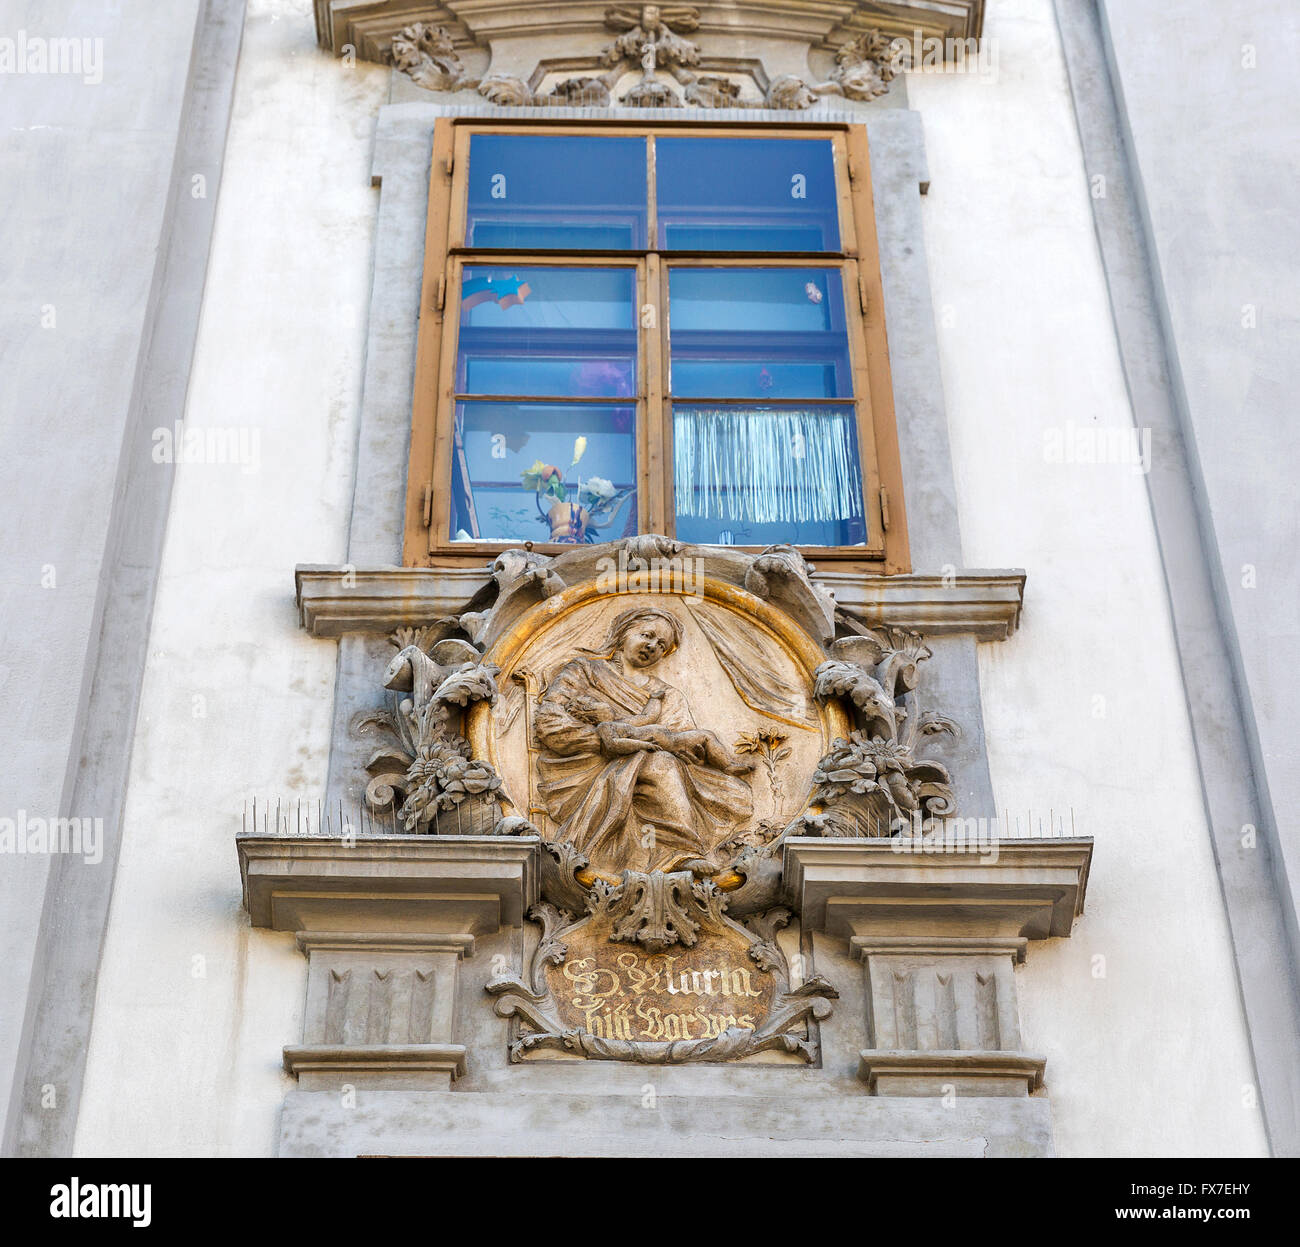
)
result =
(655, 730)
(663, 733)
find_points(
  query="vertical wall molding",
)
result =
(1233, 777)
(74, 921)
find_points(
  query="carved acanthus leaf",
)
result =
(653, 909)
(426, 54)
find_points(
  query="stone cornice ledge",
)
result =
(384, 886)
(1028, 889)
(336, 599)
(369, 25)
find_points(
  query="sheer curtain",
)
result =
(766, 466)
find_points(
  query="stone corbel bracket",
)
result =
(384, 922)
(939, 931)
(336, 599)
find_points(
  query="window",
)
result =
(664, 328)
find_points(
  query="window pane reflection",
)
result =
(534, 192)
(547, 332)
(514, 475)
(723, 194)
(758, 333)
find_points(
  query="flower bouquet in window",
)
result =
(577, 513)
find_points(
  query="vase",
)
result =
(568, 523)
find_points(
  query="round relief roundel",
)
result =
(656, 731)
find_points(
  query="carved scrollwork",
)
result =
(662, 840)
(654, 909)
(865, 66)
(426, 54)
(787, 1007)
(506, 91)
(431, 682)
(653, 39)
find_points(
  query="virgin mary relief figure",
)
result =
(625, 773)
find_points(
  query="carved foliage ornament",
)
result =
(651, 39)
(663, 731)
(428, 764)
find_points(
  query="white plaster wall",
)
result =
(1150, 1059)
(1084, 707)
(192, 1007)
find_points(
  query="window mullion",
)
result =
(652, 196)
(657, 466)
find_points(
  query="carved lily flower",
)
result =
(765, 740)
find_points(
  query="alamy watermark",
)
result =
(82, 837)
(945, 56)
(1119, 444)
(235, 444)
(681, 576)
(36, 54)
(126, 1201)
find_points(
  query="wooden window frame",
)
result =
(426, 542)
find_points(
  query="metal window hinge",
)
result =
(440, 298)
(852, 168)
(426, 504)
(449, 164)
(884, 508)
(863, 301)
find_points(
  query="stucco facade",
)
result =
(162, 677)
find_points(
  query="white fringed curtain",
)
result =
(766, 466)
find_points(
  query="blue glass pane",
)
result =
(723, 194)
(758, 333)
(536, 192)
(755, 476)
(502, 452)
(547, 331)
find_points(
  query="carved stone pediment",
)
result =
(646, 56)
(369, 25)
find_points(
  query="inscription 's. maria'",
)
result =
(653, 997)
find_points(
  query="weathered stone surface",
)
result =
(796, 1124)
(943, 1016)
